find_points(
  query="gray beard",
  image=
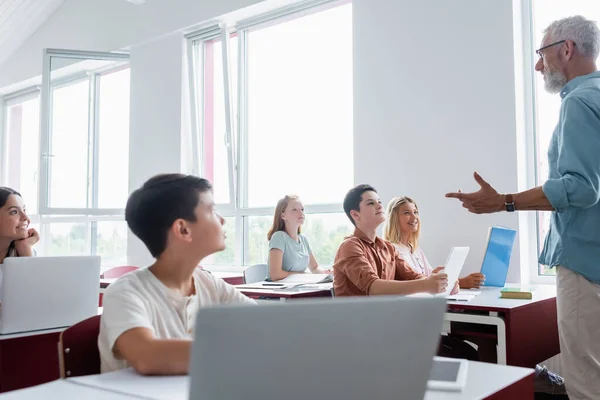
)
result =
(554, 81)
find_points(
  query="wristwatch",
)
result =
(509, 203)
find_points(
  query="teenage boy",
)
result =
(149, 315)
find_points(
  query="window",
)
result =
(83, 179)
(277, 120)
(547, 106)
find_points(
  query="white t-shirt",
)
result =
(416, 260)
(140, 300)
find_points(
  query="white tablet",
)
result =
(448, 374)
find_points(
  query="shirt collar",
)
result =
(573, 83)
(362, 236)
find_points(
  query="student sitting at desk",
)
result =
(368, 265)
(289, 251)
(403, 229)
(149, 314)
(16, 237)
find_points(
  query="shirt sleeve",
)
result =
(308, 248)
(428, 266)
(277, 241)
(228, 294)
(577, 159)
(123, 310)
(352, 261)
(403, 271)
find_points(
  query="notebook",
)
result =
(497, 255)
(453, 266)
(516, 293)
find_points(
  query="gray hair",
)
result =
(583, 32)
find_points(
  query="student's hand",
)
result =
(456, 288)
(438, 270)
(24, 246)
(437, 283)
(484, 201)
(472, 281)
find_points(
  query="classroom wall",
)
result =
(434, 94)
(434, 100)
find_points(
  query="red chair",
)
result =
(114, 273)
(78, 353)
(117, 272)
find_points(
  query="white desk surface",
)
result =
(483, 380)
(62, 389)
(128, 382)
(490, 297)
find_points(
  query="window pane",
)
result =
(113, 139)
(67, 239)
(23, 141)
(258, 245)
(548, 105)
(69, 146)
(111, 243)
(215, 162)
(324, 232)
(300, 109)
(227, 256)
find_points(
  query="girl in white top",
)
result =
(289, 250)
(403, 229)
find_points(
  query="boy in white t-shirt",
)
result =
(149, 315)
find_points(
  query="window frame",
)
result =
(527, 135)
(47, 89)
(237, 125)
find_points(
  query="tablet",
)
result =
(448, 374)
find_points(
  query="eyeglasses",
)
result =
(539, 51)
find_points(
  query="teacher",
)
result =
(567, 61)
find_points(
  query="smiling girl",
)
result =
(16, 238)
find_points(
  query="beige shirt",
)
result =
(360, 261)
(140, 300)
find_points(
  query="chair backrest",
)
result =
(78, 353)
(117, 272)
(255, 273)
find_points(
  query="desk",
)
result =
(484, 381)
(323, 290)
(492, 382)
(62, 389)
(527, 330)
(29, 358)
(233, 278)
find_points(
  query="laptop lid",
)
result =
(48, 292)
(496, 260)
(454, 264)
(361, 348)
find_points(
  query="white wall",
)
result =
(434, 100)
(105, 25)
(156, 123)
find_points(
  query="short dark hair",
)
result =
(353, 198)
(5, 193)
(163, 199)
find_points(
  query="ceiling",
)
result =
(19, 19)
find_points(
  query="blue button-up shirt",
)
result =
(573, 185)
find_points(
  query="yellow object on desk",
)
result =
(516, 293)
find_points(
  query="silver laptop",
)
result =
(47, 292)
(347, 348)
